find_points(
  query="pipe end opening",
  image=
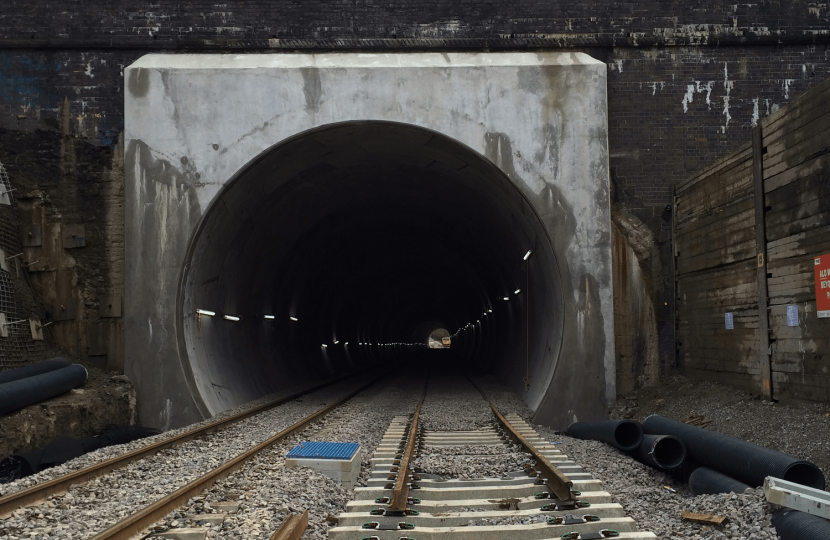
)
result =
(669, 452)
(806, 474)
(628, 434)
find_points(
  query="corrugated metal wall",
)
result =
(719, 271)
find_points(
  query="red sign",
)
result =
(823, 285)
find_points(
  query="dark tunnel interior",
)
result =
(344, 247)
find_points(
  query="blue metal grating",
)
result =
(324, 450)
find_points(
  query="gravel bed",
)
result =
(472, 466)
(109, 452)
(93, 506)
(453, 404)
(642, 493)
(268, 492)
(523, 520)
(799, 429)
(445, 399)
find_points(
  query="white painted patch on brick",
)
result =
(619, 64)
(689, 97)
(785, 84)
(727, 85)
(755, 114)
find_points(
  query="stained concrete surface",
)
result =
(198, 125)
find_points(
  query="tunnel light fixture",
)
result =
(230, 318)
(527, 256)
(506, 298)
(346, 343)
(295, 319)
(325, 346)
(205, 312)
(517, 291)
(336, 342)
(270, 317)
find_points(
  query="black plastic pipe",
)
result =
(744, 461)
(24, 392)
(661, 451)
(795, 525)
(705, 481)
(623, 434)
(33, 369)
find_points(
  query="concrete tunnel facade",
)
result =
(373, 198)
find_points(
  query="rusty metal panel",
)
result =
(110, 306)
(64, 308)
(73, 236)
(31, 235)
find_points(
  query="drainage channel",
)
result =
(520, 504)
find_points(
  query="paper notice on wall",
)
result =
(730, 325)
(792, 315)
(822, 266)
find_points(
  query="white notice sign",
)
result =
(728, 321)
(792, 315)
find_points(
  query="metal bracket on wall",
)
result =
(4, 196)
(31, 235)
(37, 329)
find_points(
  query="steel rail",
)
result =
(555, 480)
(400, 493)
(134, 525)
(42, 491)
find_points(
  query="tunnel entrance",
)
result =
(321, 257)
(439, 338)
(365, 198)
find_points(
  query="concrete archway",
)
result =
(333, 233)
(251, 180)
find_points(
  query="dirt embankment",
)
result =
(106, 398)
(798, 429)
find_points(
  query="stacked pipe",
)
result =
(729, 464)
(663, 452)
(32, 384)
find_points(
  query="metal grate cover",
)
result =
(323, 450)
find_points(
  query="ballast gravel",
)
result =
(446, 398)
(89, 508)
(653, 499)
(109, 452)
(268, 492)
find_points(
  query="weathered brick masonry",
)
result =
(687, 81)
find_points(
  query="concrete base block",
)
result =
(344, 471)
(213, 519)
(195, 533)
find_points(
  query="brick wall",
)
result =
(687, 80)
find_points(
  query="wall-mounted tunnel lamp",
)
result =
(489, 311)
(336, 342)
(230, 318)
(205, 312)
(517, 291)
(527, 256)
(269, 317)
(506, 298)
(295, 319)
(346, 343)
(325, 346)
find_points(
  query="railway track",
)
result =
(139, 523)
(550, 497)
(553, 498)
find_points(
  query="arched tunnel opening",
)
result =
(345, 246)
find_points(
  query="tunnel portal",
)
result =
(292, 217)
(355, 237)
